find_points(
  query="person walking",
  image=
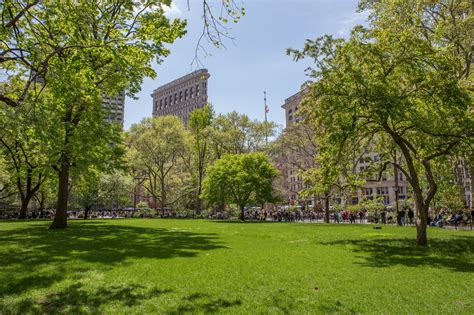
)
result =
(383, 216)
(402, 217)
(411, 216)
(352, 218)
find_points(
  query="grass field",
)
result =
(184, 266)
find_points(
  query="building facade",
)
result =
(181, 96)
(114, 107)
(391, 189)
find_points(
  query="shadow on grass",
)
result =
(33, 257)
(75, 299)
(203, 303)
(454, 253)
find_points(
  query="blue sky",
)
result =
(256, 60)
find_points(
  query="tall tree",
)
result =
(97, 48)
(26, 54)
(199, 126)
(241, 179)
(157, 147)
(391, 84)
(24, 143)
(294, 151)
(236, 133)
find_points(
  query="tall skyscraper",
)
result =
(181, 96)
(114, 107)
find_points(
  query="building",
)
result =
(181, 96)
(292, 179)
(291, 107)
(114, 108)
(389, 189)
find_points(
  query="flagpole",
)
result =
(265, 110)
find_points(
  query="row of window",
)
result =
(182, 112)
(179, 97)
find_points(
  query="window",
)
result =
(185, 94)
(197, 90)
(191, 92)
(175, 97)
(166, 102)
(161, 104)
(382, 190)
(376, 158)
(368, 191)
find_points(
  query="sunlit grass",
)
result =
(179, 266)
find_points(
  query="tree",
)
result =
(333, 174)
(97, 48)
(7, 190)
(25, 145)
(26, 54)
(116, 189)
(294, 151)
(157, 146)
(395, 87)
(241, 179)
(86, 191)
(236, 133)
(199, 126)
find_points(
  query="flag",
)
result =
(266, 109)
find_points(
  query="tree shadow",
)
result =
(75, 299)
(203, 303)
(334, 307)
(454, 253)
(27, 251)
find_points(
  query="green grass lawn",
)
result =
(178, 266)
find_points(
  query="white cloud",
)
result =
(173, 10)
(348, 23)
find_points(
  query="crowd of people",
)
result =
(406, 215)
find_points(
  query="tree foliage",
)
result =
(157, 148)
(242, 179)
(393, 86)
(79, 52)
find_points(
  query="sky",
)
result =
(255, 60)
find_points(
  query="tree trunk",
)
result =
(41, 206)
(162, 205)
(24, 205)
(60, 217)
(86, 212)
(326, 209)
(471, 186)
(421, 221)
(242, 213)
(199, 205)
(199, 200)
